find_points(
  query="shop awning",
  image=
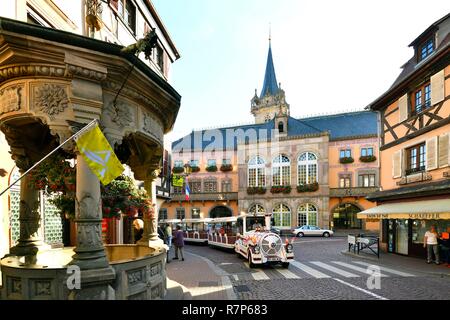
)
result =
(429, 209)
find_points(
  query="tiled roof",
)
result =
(350, 124)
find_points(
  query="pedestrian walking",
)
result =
(430, 242)
(445, 246)
(168, 235)
(178, 242)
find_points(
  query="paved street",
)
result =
(320, 271)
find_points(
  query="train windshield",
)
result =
(254, 223)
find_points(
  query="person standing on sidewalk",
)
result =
(178, 242)
(430, 242)
(445, 245)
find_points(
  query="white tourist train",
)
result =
(248, 235)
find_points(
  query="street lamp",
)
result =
(187, 169)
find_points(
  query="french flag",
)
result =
(187, 191)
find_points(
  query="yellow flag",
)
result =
(99, 155)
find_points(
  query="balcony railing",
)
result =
(352, 192)
(214, 196)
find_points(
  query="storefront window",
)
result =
(419, 227)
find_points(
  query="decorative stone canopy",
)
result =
(50, 80)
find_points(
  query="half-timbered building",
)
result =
(414, 148)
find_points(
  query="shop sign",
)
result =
(424, 215)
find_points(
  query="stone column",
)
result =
(90, 255)
(150, 234)
(30, 241)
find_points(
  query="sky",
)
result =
(330, 56)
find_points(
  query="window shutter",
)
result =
(432, 156)
(397, 164)
(437, 87)
(403, 108)
(444, 149)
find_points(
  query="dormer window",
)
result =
(426, 49)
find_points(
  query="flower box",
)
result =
(256, 190)
(280, 189)
(346, 160)
(195, 169)
(226, 167)
(367, 158)
(310, 187)
(211, 168)
(178, 170)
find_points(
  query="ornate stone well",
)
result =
(47, 78)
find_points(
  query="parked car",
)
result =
(308, 230)
(275, 230)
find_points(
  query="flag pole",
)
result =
(48, 155)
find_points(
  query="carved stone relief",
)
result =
(152, 127)
(120, 114)
(31, 70)
(30, 220)
(88, 208)
(135, 277)
(42, 288)
(156, 292)
(11, 99)
(16, 285)
(50, 99)
(89, 236)
(155, 269)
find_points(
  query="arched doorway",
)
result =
(220, 211)
(344, 217)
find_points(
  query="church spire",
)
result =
(270, 85)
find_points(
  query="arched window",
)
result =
(256, 172)
(281, 171)
(256, 209)
(281, 216)
(307, 215)
(307, 168)
(280, 126)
